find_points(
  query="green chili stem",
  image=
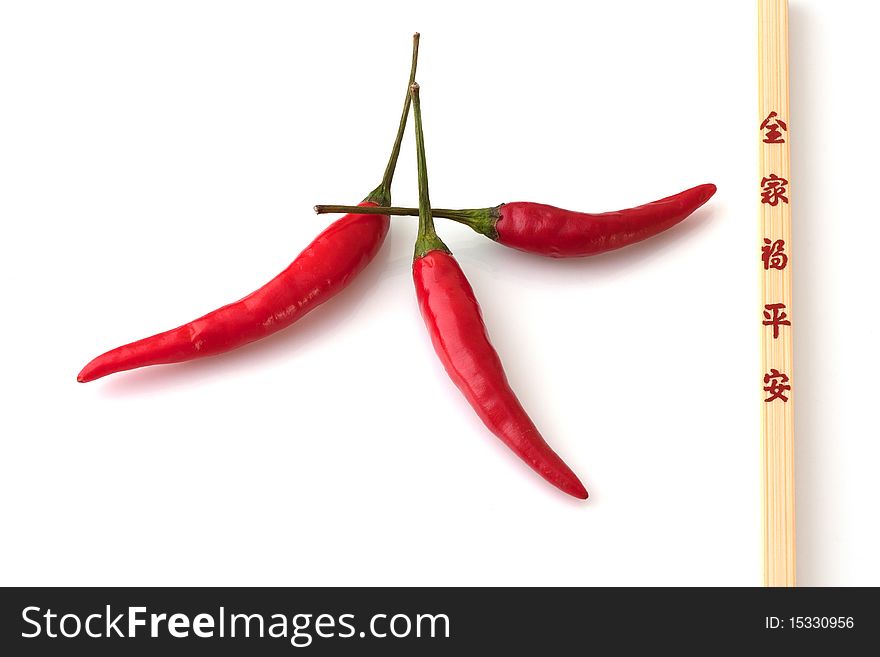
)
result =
(427, 239)
(382, 194)
(457, 215)
(482, 220)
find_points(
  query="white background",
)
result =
(158, 160)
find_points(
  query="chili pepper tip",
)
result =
(579, 492)
(706, 191)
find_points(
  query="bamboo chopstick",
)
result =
(777, 379)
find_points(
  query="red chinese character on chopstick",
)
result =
(773, 189)
(772, 127)
(775, 316)
(776, 384)
(773, 254)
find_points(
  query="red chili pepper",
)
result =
(455, 323)
(320, 272)
(551, 231)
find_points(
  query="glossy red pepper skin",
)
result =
(557, 233)
(459, 336)
(551, 231)
(322, 270)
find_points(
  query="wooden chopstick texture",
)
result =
(773, 191)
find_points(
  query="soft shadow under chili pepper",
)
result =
(550, 231)
(454, 321)
(320, 272)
